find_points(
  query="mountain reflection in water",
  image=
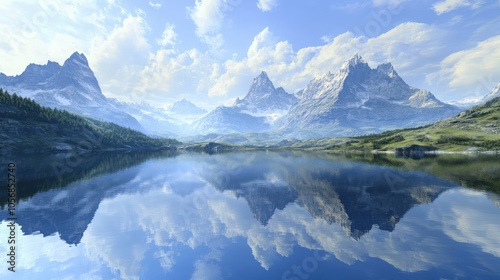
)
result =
(249, 216)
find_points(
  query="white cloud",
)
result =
(264, 53)
(473, 221)
(119, 56)
(408, 46)
(169, 73)
(450, 5)
(208, 16)
(206, 271)
(267, 5)
(37, 31)
(473, 68)
(169, 37)
(166, 259)
(155, 5)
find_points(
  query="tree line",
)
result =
(109, 134)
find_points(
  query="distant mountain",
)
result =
(263, 98)
(466, 103)
(155, 121)
(185, 107)
(494, 93)
(475, 129)
(360, 100)
(72, 86)
(226, 120)
(34, 128)
(469, 102)
(260, 107)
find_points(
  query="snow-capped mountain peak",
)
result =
(494, 93)
(185, 107)
(387, 69)
(77, 57)
(72, 86)
(264, 97)
(354, 69)
(358, 99)
(77, 64)
(260, 107)
(261, 85)
(353, 61)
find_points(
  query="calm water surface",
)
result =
(254, 216)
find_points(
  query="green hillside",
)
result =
(475, 129)
(27, 126)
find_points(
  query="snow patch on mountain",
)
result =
(494, 93)
(358, 100)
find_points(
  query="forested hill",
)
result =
(27, 126)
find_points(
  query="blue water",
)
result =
(247, 216)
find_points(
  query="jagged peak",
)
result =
(496, 90)
(50, 67)
(353, 68)
(261, 84)
(387, 69)
(356, 62)
(77, 57)
(52, 63)
(493, 93)
(355, 59)
(263, 75)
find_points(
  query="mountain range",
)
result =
(355, 100)
(72, 87)
(360, 100)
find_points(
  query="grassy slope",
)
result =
(476, 128)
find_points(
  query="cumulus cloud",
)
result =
(208, 16)
(450, 5)
(171, 73)
(119, 56)
(467, 68)
(267, 5)
(264, 53)
(37, 31)
(406, 46)
(168, 37)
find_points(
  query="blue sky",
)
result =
(208, 51)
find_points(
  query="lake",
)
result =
(253, 215)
